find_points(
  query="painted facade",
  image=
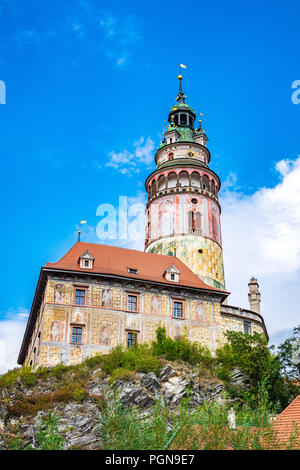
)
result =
(105, 320)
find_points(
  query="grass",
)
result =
(30, 405)
(205, 427)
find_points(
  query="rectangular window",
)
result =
(178, 309)
(79, 296)
(132, 303)
(247, 328)
(86, 263)
(132, 271)
(76, 334)
(131, 338)
(172, 277)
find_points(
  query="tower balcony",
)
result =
(182, 189)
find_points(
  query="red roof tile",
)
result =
(289, 420)
(116, 261)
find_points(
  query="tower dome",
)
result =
(181, 114)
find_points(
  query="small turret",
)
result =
(254, 295)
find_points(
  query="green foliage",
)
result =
(59, 370)
(31, 404)
(94, 361)
(78, 394)
(48, 436)
(15, 443)
(252, 355)
(289, 356)
(126, 428)
(205, 427)
(121, 373)
(182, 348)
(138, 358)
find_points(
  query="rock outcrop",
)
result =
(80, 420)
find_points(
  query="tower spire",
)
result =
(180, 86)
(181, 97)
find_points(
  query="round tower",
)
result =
(183, 212)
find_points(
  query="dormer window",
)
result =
(132, 270)
(86, 260)
(172, 274)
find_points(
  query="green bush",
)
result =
(251, 354)
(48, 436)
(78, 394)
(139, 358)
(183, 349)
(120, 373)
(59, 370)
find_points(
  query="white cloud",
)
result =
(261, 237)
(12, 329)
(127, 162)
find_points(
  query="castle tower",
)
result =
(183, 212)
(254, 295)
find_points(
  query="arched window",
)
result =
(191, 222)
(195, 179)
(184, 178)
(205, 182)
(198, 223)
(153, 188)
(172, 180)
(171, 156)
(161, 182)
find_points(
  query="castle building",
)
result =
(96, 296)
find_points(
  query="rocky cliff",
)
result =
(79, 398)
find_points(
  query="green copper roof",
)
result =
(183, 106)
(186, 134)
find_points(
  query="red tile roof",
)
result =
(116, 261)
(289, 420)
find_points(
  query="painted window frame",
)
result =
(135, 333)
(85, 289)
(74, 325)
(133, 294)
(179, 301)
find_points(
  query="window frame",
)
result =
(131, 332)
(247, 323)
(81, 334)
(132, 270)
(178, 301)
(81, 288)
(132, 294)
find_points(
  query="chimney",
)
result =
(254, 295)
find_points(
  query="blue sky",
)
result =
(90, 82)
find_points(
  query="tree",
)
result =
(289, 356)
(251, 354)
